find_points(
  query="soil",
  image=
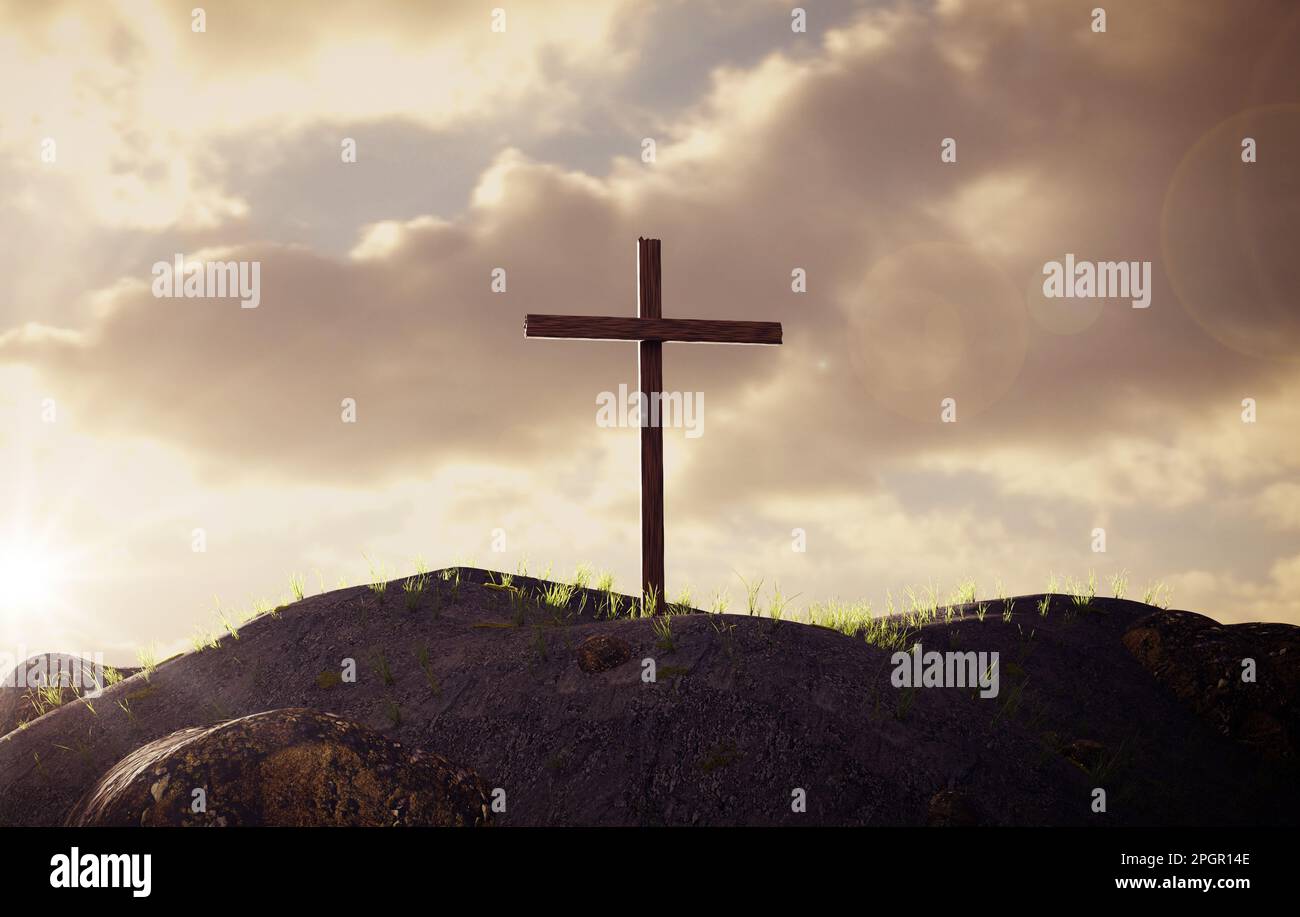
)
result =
(746, 721)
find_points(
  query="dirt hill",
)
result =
(743, 713)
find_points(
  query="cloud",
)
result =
(924, 277)
(1279, 504)
(1275, 598)
(916, 267)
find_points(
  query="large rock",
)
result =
(42, 683)
(295, 767)
(1201, 662)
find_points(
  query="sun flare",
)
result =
(29, 576)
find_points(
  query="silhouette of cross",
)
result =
(650, 329)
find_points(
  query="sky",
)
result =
(168, 458)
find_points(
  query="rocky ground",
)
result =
(472, 704)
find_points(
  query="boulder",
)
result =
(1202, 663)
(291, 767)
(44, 682)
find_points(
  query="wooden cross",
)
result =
(650, 329)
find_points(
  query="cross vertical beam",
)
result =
(651, 365)
(651, 330)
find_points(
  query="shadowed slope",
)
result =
(743, 712)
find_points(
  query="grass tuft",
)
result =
(1119, 584)
(662, 625)
(1157, 594)
(413, 587)
(147, 656)
(382, 668)
(751, 595)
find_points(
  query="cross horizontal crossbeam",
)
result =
(650, 329)
(619, 328)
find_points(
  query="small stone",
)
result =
(1086, 753)
(601, 652)
(952, 809)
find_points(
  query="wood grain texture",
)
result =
(620, 328)
(651, 365)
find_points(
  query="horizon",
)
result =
(397, 193)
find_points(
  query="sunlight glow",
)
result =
(29, 576)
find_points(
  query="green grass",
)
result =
(1157, 594)
(452, 575)
(394, 712)
(426, 666)
(649, 603)
(779, 603)
(519, 604)
(1082, 594)
(380, 663)
(204, 639)
(228, 624)
(662, 625)
(413, 586)
(608, 604)
(895, 628)
(379, 577)
(557, 596)
(47, 697)
(751, 595)
(147, 656)
(1011, 701)
(846, 618)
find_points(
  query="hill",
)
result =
(743, 712)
